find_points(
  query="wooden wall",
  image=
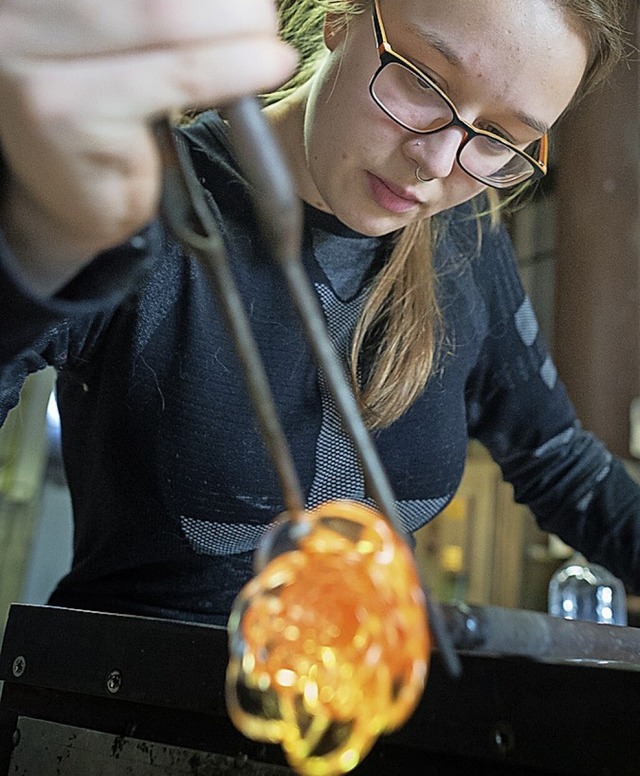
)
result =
(597, 288)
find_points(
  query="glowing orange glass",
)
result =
(329, 643)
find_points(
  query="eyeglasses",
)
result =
(413, 100)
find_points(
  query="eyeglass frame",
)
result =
(388, 56)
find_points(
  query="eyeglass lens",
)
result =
(414, 103)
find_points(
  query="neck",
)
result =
(287, 120)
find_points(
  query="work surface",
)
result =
(90, 693)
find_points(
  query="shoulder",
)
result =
(471, 241)
(471, 231)
(207, 132)
(216, 167)
(207, 138)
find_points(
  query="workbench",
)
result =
(95, 694)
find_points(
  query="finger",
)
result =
(34, 28)
(142, 85)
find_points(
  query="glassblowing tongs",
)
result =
(187, 214)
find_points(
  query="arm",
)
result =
(78, 89)
(518, 408)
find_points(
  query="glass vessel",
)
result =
(580, 590)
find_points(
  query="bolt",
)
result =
(241, 760)
(114, 682)
(19, 666)
(504, 738)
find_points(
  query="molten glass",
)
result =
(329, 642)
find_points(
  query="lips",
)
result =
(390, 197)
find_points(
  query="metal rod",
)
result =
(280, 213)
(188, 216)
(278, 208)
(493, 630)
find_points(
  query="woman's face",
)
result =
(508, 65)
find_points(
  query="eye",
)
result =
(491, 146)
(421, 84)
(413, 83)
(499, 133)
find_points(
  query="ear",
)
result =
(335, 26)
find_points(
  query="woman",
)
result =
(413, 109)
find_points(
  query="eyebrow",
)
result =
(441, 45)
(533, 122)
(438, 43)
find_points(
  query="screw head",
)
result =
(114, 682)
(503, 738)
(19, 666)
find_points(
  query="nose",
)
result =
(435, 154)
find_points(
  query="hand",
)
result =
(80, 81)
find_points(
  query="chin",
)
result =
(369, 224)
(379, 227)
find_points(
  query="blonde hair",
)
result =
(400, 327)
(604, 25)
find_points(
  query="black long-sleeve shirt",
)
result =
(171, 485)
